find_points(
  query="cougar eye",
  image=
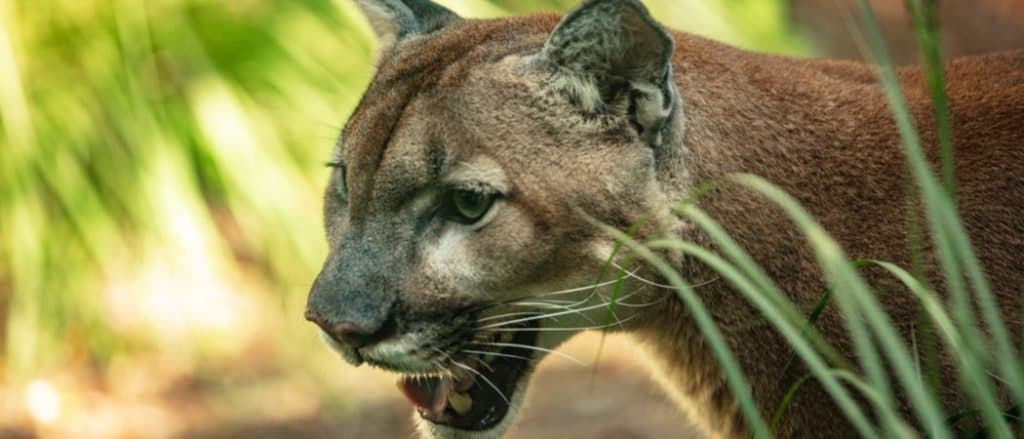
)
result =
(467, 206)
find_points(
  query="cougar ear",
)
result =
(607, 52)
(393, 20)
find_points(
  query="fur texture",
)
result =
(560, 126)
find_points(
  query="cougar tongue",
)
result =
(428, 394)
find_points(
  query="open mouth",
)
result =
(477, 394)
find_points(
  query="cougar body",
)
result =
(555, 124)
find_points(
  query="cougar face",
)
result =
(460, 214)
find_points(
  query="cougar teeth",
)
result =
(460, 402)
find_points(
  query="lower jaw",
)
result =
(492, 429)
(434, 430)
(497, 385)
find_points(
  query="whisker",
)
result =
(488, 381)
(510, 314)
(993, 375)
(603, 284)
(633, 275)
(452, 360)
(498, 354)
(548, 294)
(618, 322)
(567, 308)
(541, 299)
(560, 313)
(713, 279)
(440, 366)
(537, 314)
(534, 348)
(484, 364)
(577, 289)
(620, 302)
(542, 304)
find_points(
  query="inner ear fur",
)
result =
(607, 52)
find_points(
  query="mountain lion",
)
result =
(461, 210)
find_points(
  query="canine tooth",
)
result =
(460, 402)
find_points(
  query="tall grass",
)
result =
(883, 357)
(151, 151)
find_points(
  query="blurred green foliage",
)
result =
(160, 158)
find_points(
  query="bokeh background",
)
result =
(161, 164)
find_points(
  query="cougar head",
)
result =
(461, 211)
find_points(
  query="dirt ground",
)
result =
(260, 394)
(565, 401)
(563, 404)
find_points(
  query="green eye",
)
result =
(466, 206)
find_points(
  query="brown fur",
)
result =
(821, 130)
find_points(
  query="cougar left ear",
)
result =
(609, 52)
(393, 20)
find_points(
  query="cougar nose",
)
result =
(350, 333)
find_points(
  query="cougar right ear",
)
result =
(608, 52)
(393, 20)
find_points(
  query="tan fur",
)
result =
(821, 130)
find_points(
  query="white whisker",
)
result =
(510, 314)
(567, 308)
(538, 299)
(633, 275)
(498, 354)
(534, 348)
(620, 302)
(542, 300)
(541, 305)
(580, 328)
(554, 314)
(576, 289)
(488, 381)
(611, 309)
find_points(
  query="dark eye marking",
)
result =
(340, 185)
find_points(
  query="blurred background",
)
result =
(161, 164)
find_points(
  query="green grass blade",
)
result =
(617, 288)
(834, 264)
(972, 373)
(791, 330)
(734, 375)
(858, 301)
(954, 250)
(788, 398)
(871, 393)
(924, 14)
(757, 275)
(809, 326)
